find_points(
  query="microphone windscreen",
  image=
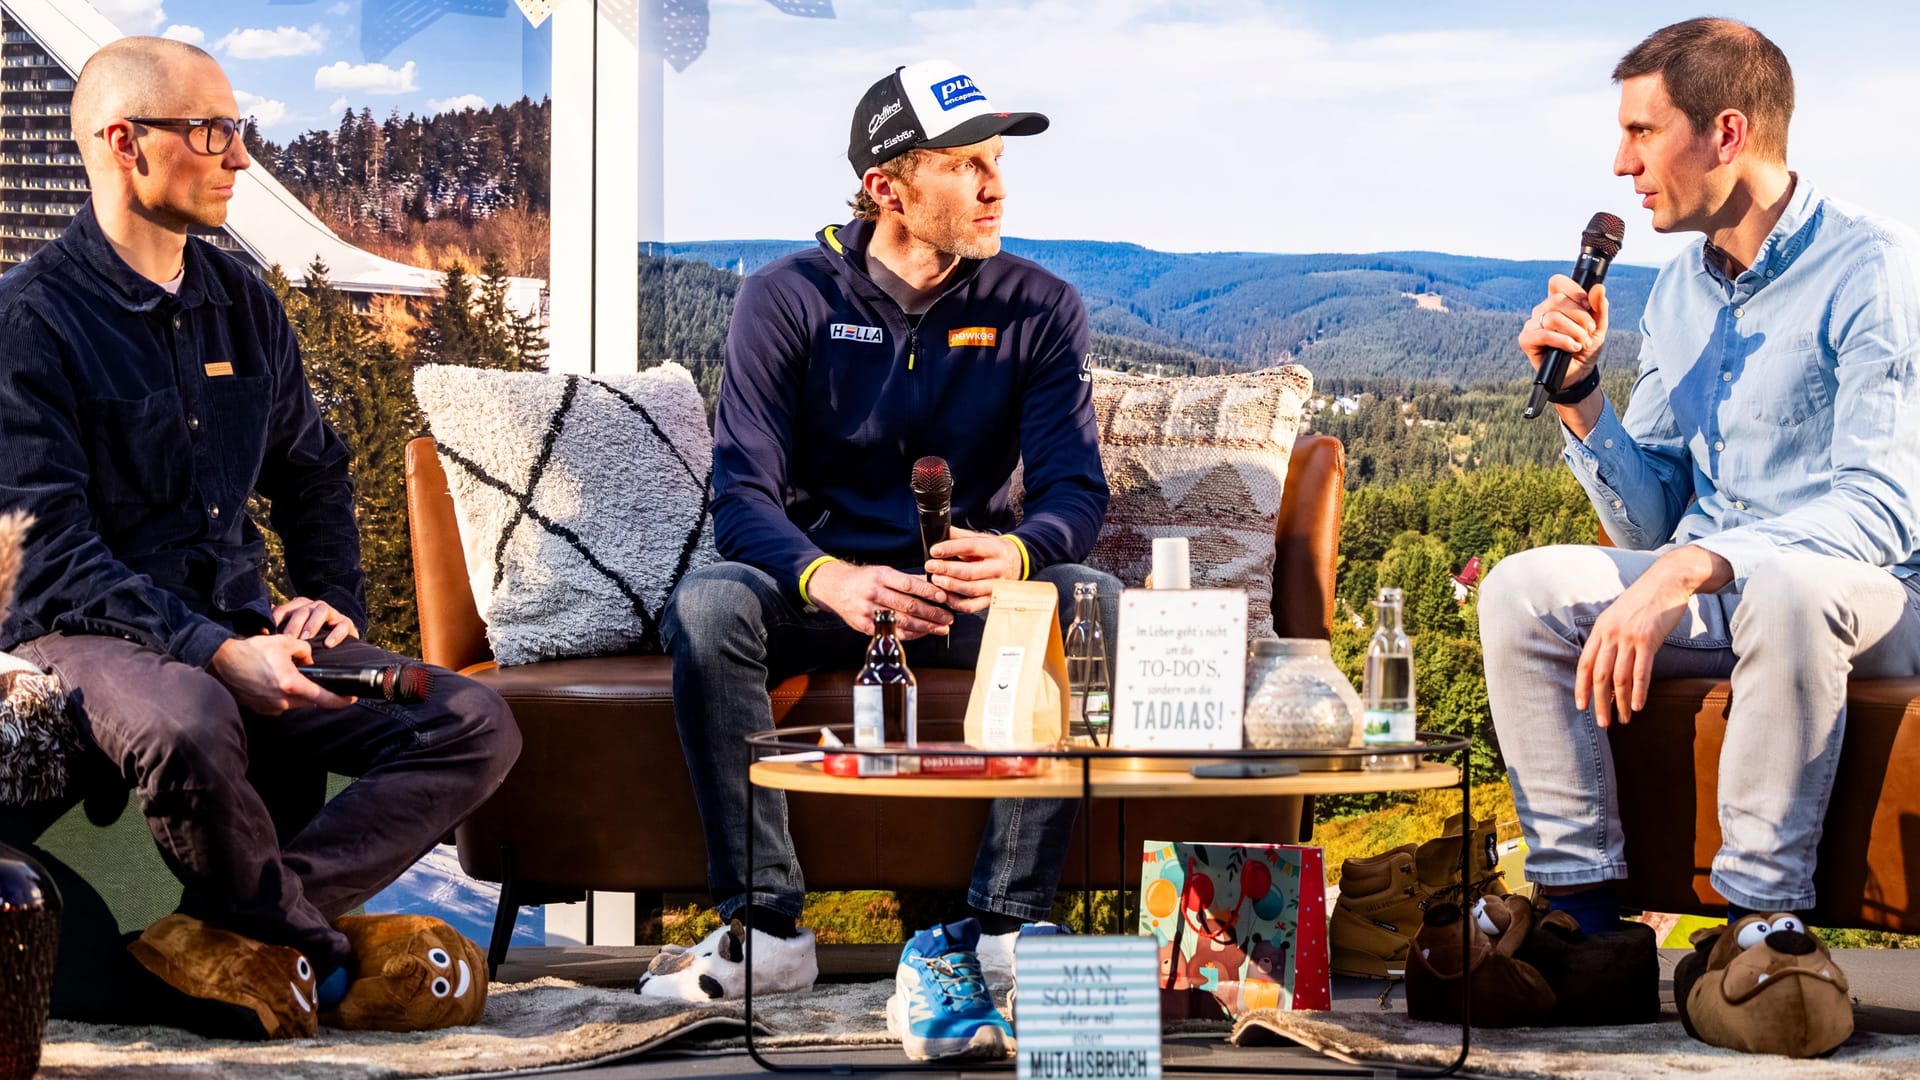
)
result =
(412, 683)
(932, 477)
(1604, 234)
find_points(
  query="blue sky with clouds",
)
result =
(1270, 125)
(296, 64)
(1267, 125)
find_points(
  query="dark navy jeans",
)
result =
(235, 800)
(732, 632)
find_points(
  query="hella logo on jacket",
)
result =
(849, 332)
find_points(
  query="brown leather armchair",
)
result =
(1667, 767)
(600, 798)
(1668, 764)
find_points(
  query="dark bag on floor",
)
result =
(1597, 979)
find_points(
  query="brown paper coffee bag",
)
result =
(1020, 683)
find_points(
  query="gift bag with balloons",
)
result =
(1246, 923)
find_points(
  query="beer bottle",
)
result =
(885, 699)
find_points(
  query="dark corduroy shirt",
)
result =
(134, 425)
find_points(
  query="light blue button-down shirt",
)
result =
(1779, 411)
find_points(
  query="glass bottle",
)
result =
(1089, 707)
(1388, 685)
(885, 698)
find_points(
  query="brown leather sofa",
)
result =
(1667, 763)
(600, 798)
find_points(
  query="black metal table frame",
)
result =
(1426, 743)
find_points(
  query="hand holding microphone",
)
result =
(404, 683)
(1566, 331)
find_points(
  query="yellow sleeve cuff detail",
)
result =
(807, 575)
(1026, 561)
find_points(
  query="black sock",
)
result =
(1596, 909)
(993, 922)
(768, 921)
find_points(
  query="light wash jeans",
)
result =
(1789, 636)
(732, 631)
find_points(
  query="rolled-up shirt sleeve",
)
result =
(1634, 470)
(1871, 509)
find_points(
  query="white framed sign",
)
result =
(1180, 669)
(1088, 1007)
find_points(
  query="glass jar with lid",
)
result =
(1296, 698)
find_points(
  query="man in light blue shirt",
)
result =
(1765, 498)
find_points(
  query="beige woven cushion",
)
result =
(1203, 458)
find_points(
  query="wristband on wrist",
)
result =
(1575, 394)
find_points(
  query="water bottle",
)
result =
(1089, 707)
(1387, 685)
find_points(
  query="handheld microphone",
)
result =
(404, 683)
(1599, 246)
(933, 493)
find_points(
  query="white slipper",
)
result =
(713, 970)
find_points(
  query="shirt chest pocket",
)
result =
(1786, 388)
(137, 450)
(238, 409)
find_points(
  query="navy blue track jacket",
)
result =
(831, 392)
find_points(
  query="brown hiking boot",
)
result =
(1378, 912)
(1438, 863)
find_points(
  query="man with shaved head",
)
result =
(152, 386)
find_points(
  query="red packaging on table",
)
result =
(950, 760)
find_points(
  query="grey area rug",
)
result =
(1630, 1052)
(529, 1027)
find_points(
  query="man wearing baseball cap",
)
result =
(905, 333)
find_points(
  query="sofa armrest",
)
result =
(1306, 539)
(452, 634)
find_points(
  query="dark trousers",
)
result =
(236, 802)
(732, 632)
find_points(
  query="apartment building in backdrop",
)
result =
(43, 45)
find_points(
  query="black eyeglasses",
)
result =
(204, 135)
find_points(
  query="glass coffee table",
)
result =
(1086, 774)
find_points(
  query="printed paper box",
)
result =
(1246, 923)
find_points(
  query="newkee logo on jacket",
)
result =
(849, 332)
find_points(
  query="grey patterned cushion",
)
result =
(1203, 458)
(582, 500)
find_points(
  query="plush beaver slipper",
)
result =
(1507, 992)
(1764, 985)
(411, 973)
(223, 985)
(1597, 979)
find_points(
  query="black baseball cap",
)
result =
(931, 104)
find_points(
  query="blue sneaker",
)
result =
(940, 1007)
